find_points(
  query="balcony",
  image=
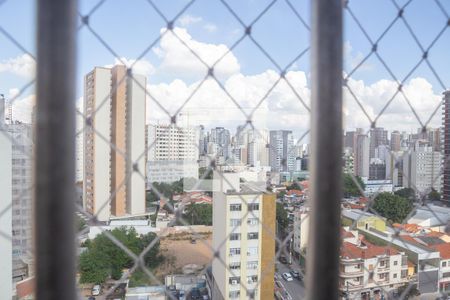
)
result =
(351, 274)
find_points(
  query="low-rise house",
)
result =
(368, 271)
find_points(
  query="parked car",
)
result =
(193, 241)
(296, 274)
(283, 260)
(287, 276)
(96, 289)
(91, 298)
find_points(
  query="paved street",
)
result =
(295, 288)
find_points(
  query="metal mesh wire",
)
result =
(375, 42)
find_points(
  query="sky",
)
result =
(129, 27)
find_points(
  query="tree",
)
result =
(104, 259)
(407, 193)
(350, 187)
(294, 186)
(412, 291)
(434, 195)
(392, 206)
(198, 214)
(282, 217)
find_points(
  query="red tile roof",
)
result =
(349, 250)
(444, 250)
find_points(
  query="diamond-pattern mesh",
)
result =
(401, 18)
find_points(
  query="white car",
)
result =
(287, 277)
(96, 290)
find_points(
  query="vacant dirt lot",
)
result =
(179, 251)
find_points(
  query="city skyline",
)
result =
(173, 72)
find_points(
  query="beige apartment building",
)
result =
(243, 235)
(114, 145)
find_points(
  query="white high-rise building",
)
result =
(6, 217)
(243, 235)
(362, 153)
(22, 166)
(173, 153)
(282, 152)
(114, 144)
(422, 167)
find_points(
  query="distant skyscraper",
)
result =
(361, 162)
(221, 139)
(377, 169)
(350, 139)
(396, 141)
(422, 168)
(378, 136)
(281, 152)
(446, 146)
(116, 110)
(173, 154)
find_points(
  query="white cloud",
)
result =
(22, 65)
(353, 59)
(210, 27)
(398, 115)
(180, 62)
(142, 67)
(22, 108)
(187, 20)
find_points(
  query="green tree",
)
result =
(103, 259)
(282, 217)
(392, 206)
(198, 214)
(434, 195)
(294, 186)
(407, 193)
(350, 187)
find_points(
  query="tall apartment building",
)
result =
(446, 146)
(221, 138)
(6, 268)
(22, 166)
(301, 230)
(114, 144)
(378, 136)
(243, 235)
(396, 141)
(173, 152)
(361, 162)
(281, 151)
(258, 152)
(422, 167)
(368, 271)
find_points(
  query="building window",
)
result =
(235, 237)
(395, 262)
(404, 273)
(235, 222)
(253, 206)
(395, 275)
(235, 207)
(235, 266)
(235, 251)
(235, 294)
(444, 264)
(252, 221)
(234, 280)
(252, 279)
(252, 251)
(252, 236)
(252, 265)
